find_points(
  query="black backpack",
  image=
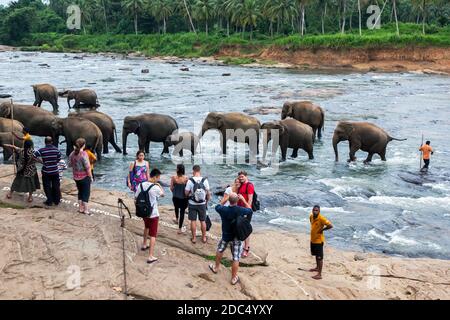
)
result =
(256, 205)
(242, 228)
(144, 208)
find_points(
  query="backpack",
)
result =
(198, 191)
(256, 204)
(144, 208)
(242, 228)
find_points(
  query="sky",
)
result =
(4, 2)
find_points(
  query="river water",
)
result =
(383, 207)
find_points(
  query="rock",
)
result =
(4, 96)
(226, 74)
(172, 62)
(184, 69)
(78, 58)
(125, 69)
(44, 65)
(145, 71)
(359, 257)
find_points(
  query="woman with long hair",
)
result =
(26, 179)
(82, 174)
(234, 188)
(139, 171)
(179, 199)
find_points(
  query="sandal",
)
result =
(150, 261)
(145, 248)
(212, 268)
(235, 280)
(205, 240)
(245, 252)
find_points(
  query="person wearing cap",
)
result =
(318, 225)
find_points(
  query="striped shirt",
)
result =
(50, 156)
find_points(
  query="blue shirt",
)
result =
(50, 156)
(228, 214)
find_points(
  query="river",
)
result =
(372, 207)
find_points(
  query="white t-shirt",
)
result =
(154, 194)
(228, 191)
(190, 188)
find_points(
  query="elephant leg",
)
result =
(181, 153)
(166, 149)
(40, 103)
(315, 132)
(98, 151)
(114, 144)
(353, 148)
(54, 105)
(142, 143)
(283, 153)
(383, 154)
(224, 144)
(105, 145)
(294, 153)
(310, 155)
(369, 158)
(319, 132)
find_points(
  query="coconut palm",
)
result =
(203, 10)
(161, 10)
(134, 7)
(283, 11)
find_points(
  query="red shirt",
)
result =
(246, 192)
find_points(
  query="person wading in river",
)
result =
(426, 151)
(318, 225)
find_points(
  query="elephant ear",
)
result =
(220, 122)
(348, 128)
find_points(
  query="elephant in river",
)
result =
(6, 125)
(183, 141)
(37, 120)
(106, 126)
(85, 98)
(45, 92)
(7, 138)
(244, 128)
(292, 134)
(148, 127)
(73, 128)
(362, 135)
(306, 112)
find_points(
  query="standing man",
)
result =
(155, 191)
(50, 157)
(318, 225)
(246, 192)
(197, 189)
(426, 151)
(228, 214)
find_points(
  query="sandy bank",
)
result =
(42, 250)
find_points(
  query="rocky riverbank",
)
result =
(44, 250)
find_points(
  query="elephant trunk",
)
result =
(124, 142)
(335, 143)
(68, 102)
(202, 132)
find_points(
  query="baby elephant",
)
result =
(183, 141)
(85, 98)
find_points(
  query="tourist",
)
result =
(228, 214)
(234, 188)
(138, 171)
(26, 179)
(318, 225)
(197, 189)
(245, 192)
(155, 191)
(26, 135)
(82, 174)
(426, 151)
(179, 199)
(50, 156)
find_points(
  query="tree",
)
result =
(161, 10)
(283, 11)
(394, 8)
(18, 23)
(134, 7)
(203, 10)
(189, 15)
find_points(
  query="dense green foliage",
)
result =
(203, 27)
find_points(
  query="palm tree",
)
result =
(203, 10)
(161, 10)
(303, 4)
(281, 10)
(394, 5)
(186, 9)
(250, 14)
(422, 5)
(134, 7)
(323, 4)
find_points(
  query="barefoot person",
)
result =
(197, 189)
(179, 199)
(139, 171)
(155, 191)
(427, 150)
(318, 225)
(82, 174)
(228, 214)
(26, 179)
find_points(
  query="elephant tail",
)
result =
(115, 134)
(322, 124)
(396, 139)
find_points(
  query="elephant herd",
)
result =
(301, 122)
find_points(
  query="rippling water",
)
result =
(374, 207)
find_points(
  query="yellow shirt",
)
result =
(92, 158)
(426, 149)
(27, 137)
(317, 225)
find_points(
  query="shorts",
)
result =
(152, 225)
(236, 247)
(317, 250)
(197, 210)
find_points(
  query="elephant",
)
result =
(45, 92)
(362, 135)
(73, 128)
(7, 138)
(148, 127)
(6, 125)
(183, 141)
(37, 120)
(292, 134)
(106, 126)
(236, 121)
(85, 98)
(306, 112)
